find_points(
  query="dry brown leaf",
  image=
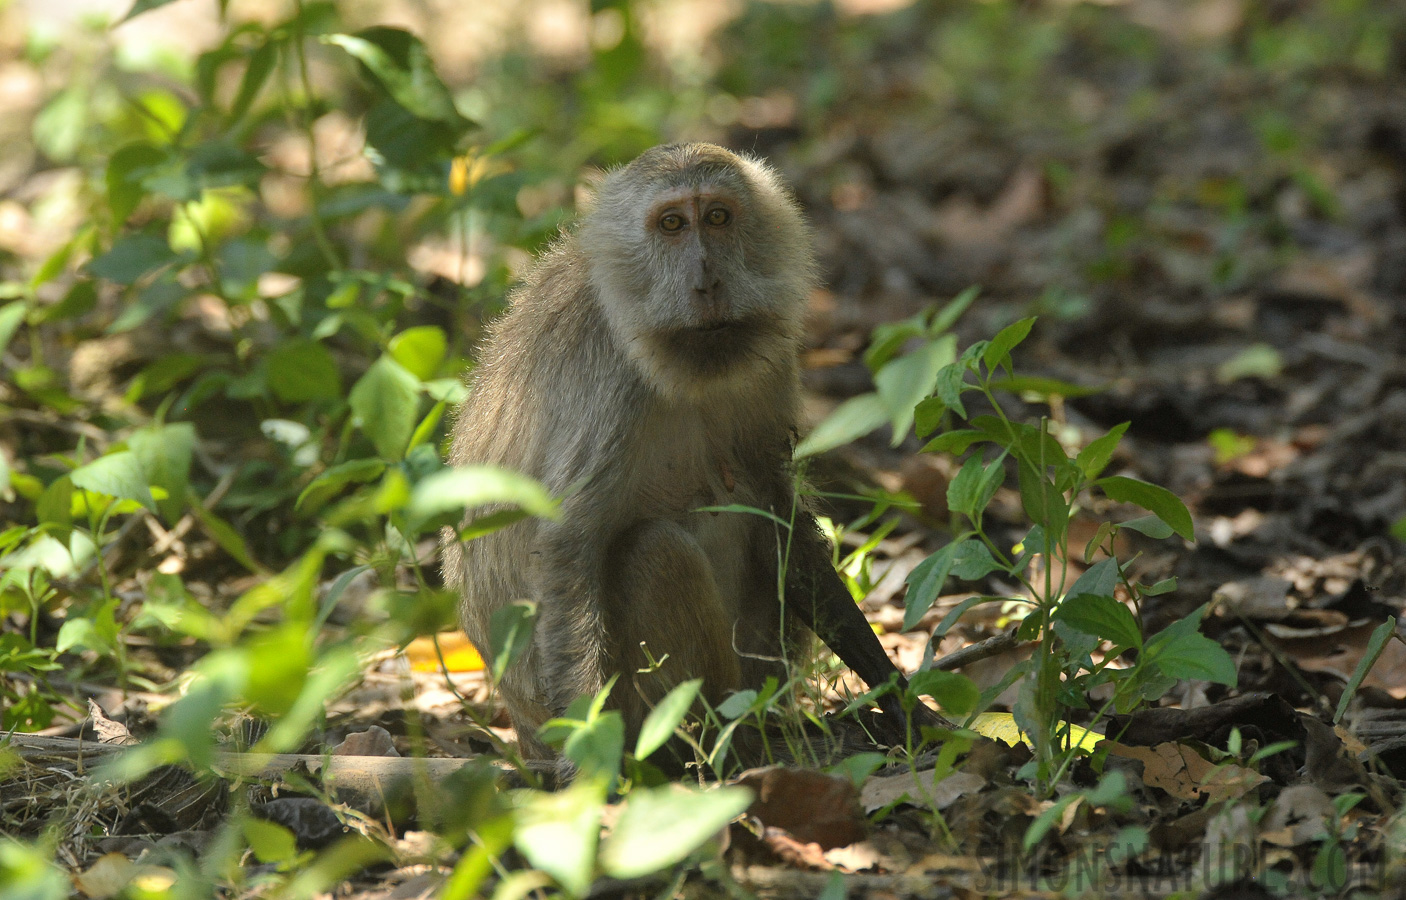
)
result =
(918, 789)
(1184, 773)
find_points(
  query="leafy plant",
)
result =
(1083, 622)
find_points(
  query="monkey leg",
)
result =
(666, 619)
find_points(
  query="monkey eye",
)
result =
(718, 216)
(671, 223)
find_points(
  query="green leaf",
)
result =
(558, 832)
(905, 381)
(1255, 361)
(300, 370)
(125, 169)
(955, 442)
(165, 453)
(927, 416)
(974, 561)
(1159, 501)
(1151, 526)
(954, 309)
(1181, 651)
(327, 485)
(222, 533)
(852, 419)
(1094, 458)
(132, 257)
(950, 384)
(597, 745)
(455, 490)
(998, 351)
(385, 402)
(118, 475)
(1100, 617)
(402, 65)
(926, 580)
(510, 634)
(425, 430)
(1100, 580)
(11, 315)
(420, 350)
(1043, 502)
(1375, 645)
(142, 6)
(956, 694)
(659, 827)
(260, 66)
(270, 842)
(974, 486)
(659, 725)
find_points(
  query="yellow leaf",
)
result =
(1002, 727)
(459, 654)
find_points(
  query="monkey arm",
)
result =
(819, 598)
(570, 635)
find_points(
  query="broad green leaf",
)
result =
(998, 351)
(927, 416)
(1043, 502)
(385, 402)
(1100, 580)
(327, 485)
(659, 725)
(11, 315)
(955, 442)
(974, 486)
(925, 583)
(125, 169)
(299, 371)
(905, 381)
(852, 419)
(558, 832)
(1151, 526)
(659, 827)
(1157, 500)
(420, 350)
(510, 634)
(269, 841)
(1100, 617)
(132, 257)
(117, 475)
(457, 489)
(1094, 458)
(1181, 651)
(974, 561)
(401, 63)
(279, 660)
(949, 387)
(165, 453)
(597, 745)
(956, 694)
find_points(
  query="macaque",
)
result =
(647, 367)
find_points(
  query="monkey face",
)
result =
(693, 254)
